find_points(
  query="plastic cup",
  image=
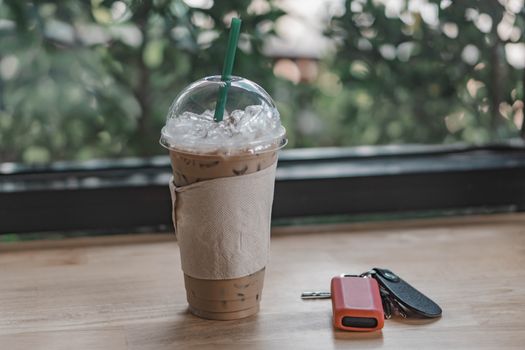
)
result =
(200, 157)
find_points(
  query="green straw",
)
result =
(227, 68)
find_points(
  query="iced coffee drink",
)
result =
(241, 148)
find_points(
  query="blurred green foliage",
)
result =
(431, 74)
(94, 79)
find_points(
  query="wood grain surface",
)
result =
(127, 292)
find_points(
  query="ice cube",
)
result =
(255, 127)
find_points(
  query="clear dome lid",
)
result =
(250, 122)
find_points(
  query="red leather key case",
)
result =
(356, 304)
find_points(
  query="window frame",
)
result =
(131, 194)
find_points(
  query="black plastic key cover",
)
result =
(406, 295)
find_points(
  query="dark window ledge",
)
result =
(128, 194)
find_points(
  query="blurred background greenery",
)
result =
(94, 79)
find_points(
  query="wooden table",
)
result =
(126, 292)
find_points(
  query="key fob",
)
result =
(405, 295)
(356, 304)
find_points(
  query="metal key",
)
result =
(316, 295)
(387, 305)
(328, 295)
(325, 294)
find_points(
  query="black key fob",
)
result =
(405, 295)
